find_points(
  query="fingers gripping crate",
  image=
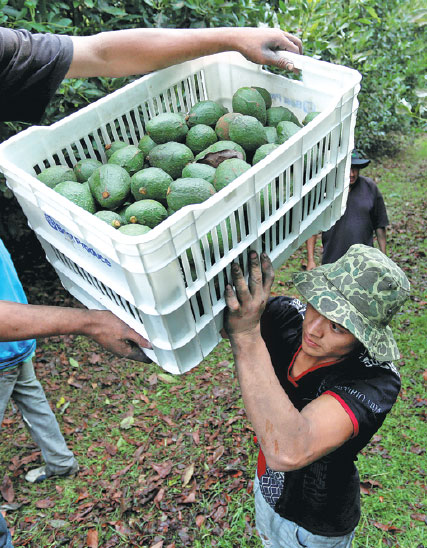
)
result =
(168, 284)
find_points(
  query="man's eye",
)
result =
(337, 328)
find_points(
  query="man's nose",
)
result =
(317, 327)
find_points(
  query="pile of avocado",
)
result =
(182, 159)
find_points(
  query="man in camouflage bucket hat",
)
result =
(361, 291)
(316, 386)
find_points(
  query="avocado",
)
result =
(171, 157)
(150, 183)
(134, 230)
(130, 158)
(54, 175)
(265, 95)
(110, 217)
(220, 146)
(280, 114)
(110, 186)
(222, 126)
(262, 152)
(205, 112)
(146, 144)
(84, 168)
(188, 190)
(146, 212)
(229, 170)
(166, 127)
(271, 134)
(309, 117)
(78, 193)
(285, 130)
(248, 132)
(111, 148)
(249, 101)
(200, 137)
(199, 171)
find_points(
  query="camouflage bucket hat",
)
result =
(361, 291)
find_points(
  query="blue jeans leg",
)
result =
(5, 538)
(278, 532)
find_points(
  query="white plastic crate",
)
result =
(299, 189)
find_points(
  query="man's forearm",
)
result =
(22, 321)
(382, 239)
(280, 428)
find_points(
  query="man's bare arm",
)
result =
(310, 245)
(140, 51)
(382, 239)
(23, 321)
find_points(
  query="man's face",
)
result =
(354, 174)
(322, 338)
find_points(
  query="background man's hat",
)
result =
(358, 161)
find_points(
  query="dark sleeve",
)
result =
(31, 68)
(379, 217)
(368, 398)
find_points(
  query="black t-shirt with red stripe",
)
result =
(324, 497)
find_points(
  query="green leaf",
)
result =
(127, 423)
(73, 362)
(373, 13)
(167, 378)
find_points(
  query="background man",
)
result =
(365, 214)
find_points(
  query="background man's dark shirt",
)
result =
(31, 68)
(365, 213)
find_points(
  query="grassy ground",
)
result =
(168, 461)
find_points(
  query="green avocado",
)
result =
(166, 127)
(151, 183)
(222, 126)
(130, 158)
(134, 230)
(248, 132)
(309, 117)
(54, 175)
(199, 171)
(146, 212)
(188, 190)
(78, 193)
(84, 168)
(110, 186)
(265, 95)
(110, 217)
(171, 157)
(111, 148)
(229, 170)
(249, 101)
(271, 134)
(262, 152)
(200, 137)
(146, 144)
(280, 114)
(205, 112)
(285, 130)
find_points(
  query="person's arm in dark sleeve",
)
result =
(380, 221)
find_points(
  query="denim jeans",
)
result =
(278, 532)
(22, 386)
(5, 538)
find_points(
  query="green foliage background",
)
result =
(385, 41)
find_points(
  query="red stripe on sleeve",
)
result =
(262, 465)
(347, 410)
